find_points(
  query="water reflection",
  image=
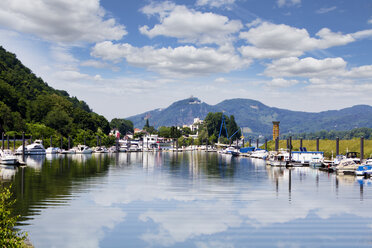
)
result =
(7, 172)
(191, 199)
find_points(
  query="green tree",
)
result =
(9, 236)
(175, 132)
(232, 128)
(147, 125)
(213, 121)
(164, 132)
(6, 119)
(60, 121)
(124, 126)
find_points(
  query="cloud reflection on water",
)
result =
(185, 203)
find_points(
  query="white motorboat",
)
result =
(259, 153)
(338, 159)
(52, 150)
(231, 150)
(35, 148)
(7, 157)
(134, 148)
(82, 149)
(279, 159)
(347, 165)
(123, 148)
(101, 149)
(316, 161)
(70, 151)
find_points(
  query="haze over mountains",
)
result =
(256, 118)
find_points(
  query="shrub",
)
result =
(9, 236)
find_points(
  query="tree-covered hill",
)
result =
(256, 118)
(27, 103)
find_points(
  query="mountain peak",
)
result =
(256, 116)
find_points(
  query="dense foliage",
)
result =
(9, 236)
(124, 126)
(212, 125)
(354, 133)
(26, 100)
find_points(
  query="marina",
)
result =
(186, 199)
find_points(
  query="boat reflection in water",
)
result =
(7, 172)
(188, 199)
(35, 161)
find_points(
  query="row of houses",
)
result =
(193, 127)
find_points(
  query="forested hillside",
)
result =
(256, 118)
(28, 104)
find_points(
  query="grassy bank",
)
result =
(327, 146)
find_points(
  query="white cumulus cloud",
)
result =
(60, 21)
(270, 40)
(190, 26)
(281, 82)
(306, 67)
(180, 61)
(282, 3)
(215, 3)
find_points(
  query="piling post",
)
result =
(97, 140)
(61, 142)
(250, 142)
(85, 140)
(51, 141)
(42, 140)
(300, 142)
(287, 143)
(206, 147)
(317, 144)
(117, 144)
(243, 142)
(31, 139)
(100, 141)
(2, 140)
(257, 143)
(14, 143)
(23, 146)
(277, 144)
(290, 149)
(361, 149)
(337, 146)
(266, 144)
(68, 146)
(7, 144)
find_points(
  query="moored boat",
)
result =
(35, 148)
(82, 149)
(347, 166)
(363, 170)
(316, 162)
(8, 158)
(52, 150)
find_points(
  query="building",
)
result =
(195, 125)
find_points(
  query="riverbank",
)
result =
(326, 146)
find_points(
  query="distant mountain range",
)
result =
(256, 118)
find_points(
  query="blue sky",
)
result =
(127, 57)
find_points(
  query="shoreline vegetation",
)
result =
(9, 235)
(326, 146)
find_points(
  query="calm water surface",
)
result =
(187, 200)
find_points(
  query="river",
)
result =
(191, 199)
